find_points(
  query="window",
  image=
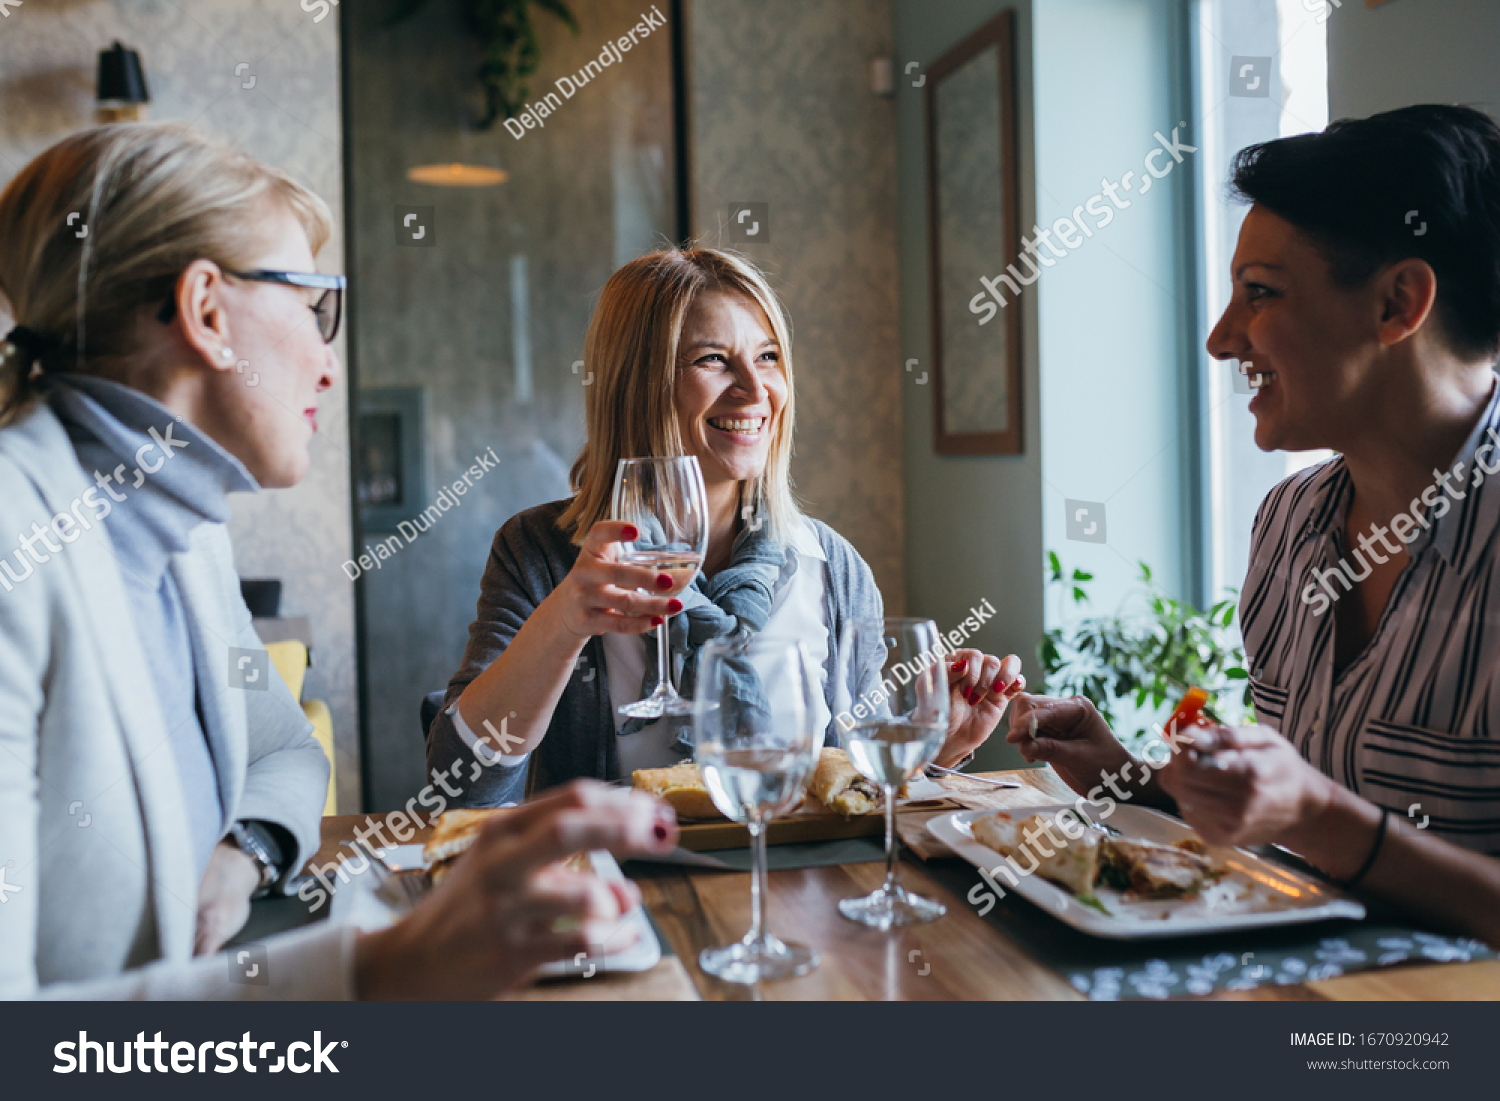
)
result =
(1261, 73)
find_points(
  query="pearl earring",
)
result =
(226, 354)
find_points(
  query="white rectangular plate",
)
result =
(640, 954)
(1253, 893)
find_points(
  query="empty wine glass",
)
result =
(892, 696)
(666, 501)
(756, 739)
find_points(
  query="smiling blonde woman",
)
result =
(691, 355)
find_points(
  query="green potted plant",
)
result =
(1135, 665)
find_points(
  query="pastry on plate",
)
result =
(1070, 862)
(838, 785)
(681, 786)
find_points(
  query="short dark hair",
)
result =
(1420, 182)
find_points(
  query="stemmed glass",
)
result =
(892, 695)
(666, 501)
(757, 750)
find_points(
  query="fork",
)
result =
(970, 776)
(401, 886)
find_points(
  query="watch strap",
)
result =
(261, 848)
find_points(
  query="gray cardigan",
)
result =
(529, 558)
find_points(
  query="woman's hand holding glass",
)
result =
(601, 594)
(980, 687)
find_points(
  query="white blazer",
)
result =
(99, 896)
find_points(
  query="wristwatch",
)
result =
(251, 841)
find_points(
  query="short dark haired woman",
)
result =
(1366, 308)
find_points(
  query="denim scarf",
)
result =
(737, 603)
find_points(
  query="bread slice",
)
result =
(680, 786)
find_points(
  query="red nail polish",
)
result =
(663, 581)
(674, 605)
(960, 665)
(657, 621)
(659, 832)
(631, 533)
(1000, 684)
(975, 694)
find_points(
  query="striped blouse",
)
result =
(1415, 717)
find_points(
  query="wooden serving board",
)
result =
(804, 824)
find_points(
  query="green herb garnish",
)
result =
(1093, 900)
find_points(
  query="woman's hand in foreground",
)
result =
(599, 595)
(1245, 786)
(1072, 737)
(509, 906)
(981, 686)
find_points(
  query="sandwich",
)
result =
(457, 830)
(840, 787)
(680, 786)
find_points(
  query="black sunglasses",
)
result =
(328, 308)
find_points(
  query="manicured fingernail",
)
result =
(659, 832)
(1000, 683)
(960, 665)
(631, 533)
(674, 605)
(663, 581)
(976, 695)
(657, 621)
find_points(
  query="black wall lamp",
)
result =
(122, 85)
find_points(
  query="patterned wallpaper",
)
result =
(782, 114)
(261, 74)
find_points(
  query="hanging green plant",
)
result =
(511, 50)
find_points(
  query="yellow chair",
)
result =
(290, 659)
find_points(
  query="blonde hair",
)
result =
(151, 198)
(631, 348)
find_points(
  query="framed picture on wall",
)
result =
(974, 211)
(389, 458)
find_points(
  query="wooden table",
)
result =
(961, 956)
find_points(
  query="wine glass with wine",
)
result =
(666, 501)
(756, 739)
(892, 695)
